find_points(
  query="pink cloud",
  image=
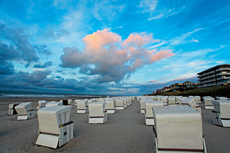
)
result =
(161, 55)
(110, 58)
(101, 38)
(138, 40)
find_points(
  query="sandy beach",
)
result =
(124, 132)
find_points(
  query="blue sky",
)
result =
(109, 47)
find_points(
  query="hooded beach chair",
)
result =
(208, 102)
(54, 103)
(12, 109)
(82, 106)
(41, 103)
(149, 120)
(110, 106)
(24, 111)
(178, 129)
(55, 128)
(97, 113)
(221, 113)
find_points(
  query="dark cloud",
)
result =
(43, 50)
(6, 68)
(18, 48)
(45, 65)
(56, 34)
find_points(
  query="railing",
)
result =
(222, 69)
(222, 74)
(207, 73)
(207, 77)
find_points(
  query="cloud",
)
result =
(148, 5)
(18, 47)
(182, 38)
(105, 11)
(109, 58)
(6, 68)
(45, 65)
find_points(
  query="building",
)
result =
(217, 75)
(187, 85)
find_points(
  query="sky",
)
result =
(109, 47)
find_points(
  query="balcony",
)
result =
(223, 78)
(207, 73)
(228, 73)
(223, 69)
(211, 76)
(207, 81)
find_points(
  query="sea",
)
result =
(26, 95)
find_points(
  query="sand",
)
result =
(124, 132)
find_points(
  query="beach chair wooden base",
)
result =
(96, 120)
(225, 123)
(81, 111)
(149, 121)
(55, 141)
(31, 114)
(143, 111)
(119, 108)
(111, 111)
(161, 150)
(208, 107)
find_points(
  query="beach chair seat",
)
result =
(24, 111)
(97, 113)
(55, 128)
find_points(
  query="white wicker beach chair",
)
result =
(221, 113)
(24, 111)
(97, 113)
(149, 120)
(178, 129)
(55, 128)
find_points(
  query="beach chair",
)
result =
(91, 101)
(55, 128)
(191, 102)
(221, 113)
(97, 113)
(208, 102)
(164, 100)
(221, 98)
(110, 106)
(101, 100)
(149, 120)
(178, 129)
(54, 103)
(12, 110)
(171, 100)
(24, 111)
(82, 106)
(119, 104)
(41, 103)
(142, 106)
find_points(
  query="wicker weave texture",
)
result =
(178, 127)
